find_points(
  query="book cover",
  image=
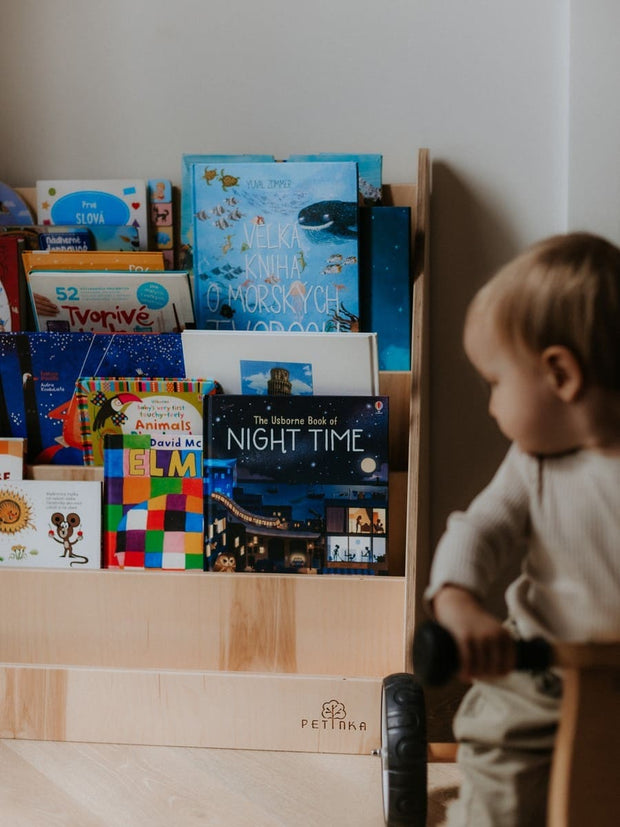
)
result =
(275, 246)
(153, 513)
(10, 301)
(369, 170)
(38, 374)
(385, 282)
(74, 238)
(50, 524)
(12, 455)
(111, 301)
(118, 202)
(13, 208)
(132, 261)
(162, 219)
(213, 168)
(296, 483)
(157, 406)
(259, 362)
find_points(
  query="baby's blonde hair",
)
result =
(564, 290)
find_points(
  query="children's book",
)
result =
(12, 456)
(118, 202)
(385, 282)
(92, 260)
(131, 405)
(369, 169)
(162, 219)
(74, 238)
(153, 502)
(10, 295)
(295, 483)
(302, 364)
(111, 301)
(13, 208)
(53, 524)
(275, 246)
(38, 374)
(213, 168)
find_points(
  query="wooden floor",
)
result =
(91, 785)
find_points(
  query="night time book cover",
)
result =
(296, 483)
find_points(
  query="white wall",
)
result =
(594, 149)
(124, 87)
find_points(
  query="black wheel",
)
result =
(403, 751)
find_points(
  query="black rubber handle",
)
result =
(436, 657)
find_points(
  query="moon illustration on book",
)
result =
(368, 465)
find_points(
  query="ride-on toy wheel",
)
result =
(403, 751)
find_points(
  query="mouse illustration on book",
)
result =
(63, 531)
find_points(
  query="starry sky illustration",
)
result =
(304, 464)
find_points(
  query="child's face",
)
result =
(522, 399)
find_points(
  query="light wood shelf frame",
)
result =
(291, 662)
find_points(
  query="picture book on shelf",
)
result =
(153, 514)
(111, 301)
(55, 524)
(13, 208)
(157, 406)
(275, 246)
(259, 362)
(12, 457)
(38, 375)
(137, 261)
(74, 238)
(214, 163)
(119, 202)
(385, 282)
(162, 219)
(10, 290)
(369, 170)
(296, 483)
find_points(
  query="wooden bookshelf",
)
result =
(290, 662)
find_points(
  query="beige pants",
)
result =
(506, 729)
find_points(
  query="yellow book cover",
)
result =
(92, 260)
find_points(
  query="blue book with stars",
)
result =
(296, 483)
(38, 376)
(276, 246)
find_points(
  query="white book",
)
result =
(284, 362)
(51, 524)
(111, 301)
(12, 451)
(115, 201)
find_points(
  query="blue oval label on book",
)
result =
(153, 295)
(90, 208)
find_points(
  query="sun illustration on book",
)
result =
(15, 512)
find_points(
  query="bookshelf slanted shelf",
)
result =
(153, 658)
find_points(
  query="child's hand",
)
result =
(485, 647)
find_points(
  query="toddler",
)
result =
(544, 334)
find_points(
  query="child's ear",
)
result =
(564, 372)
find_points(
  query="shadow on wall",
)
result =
(468, 243)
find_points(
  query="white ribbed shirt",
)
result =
(561, 516)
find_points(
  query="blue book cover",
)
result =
(38, 374)
(385, 282)
(276, 247)
(296, 483)
(213, 164)
(369, 171)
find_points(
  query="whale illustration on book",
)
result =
(336, 217)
